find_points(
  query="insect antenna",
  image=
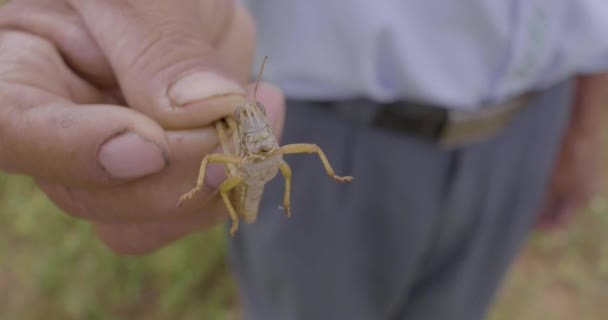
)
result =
(257, 82)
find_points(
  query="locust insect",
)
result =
(252, 158)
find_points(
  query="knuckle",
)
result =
(22, 45)
(23, 55)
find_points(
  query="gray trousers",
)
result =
(421, 233)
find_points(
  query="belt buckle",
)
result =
(412, 119)
(448, 128)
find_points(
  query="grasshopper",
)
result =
(253, 159)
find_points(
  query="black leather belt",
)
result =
(444, 126)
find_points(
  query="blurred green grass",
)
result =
(53, 267)
(561, 275)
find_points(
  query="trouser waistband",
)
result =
(445, 126)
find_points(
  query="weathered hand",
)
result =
(575, 176)
(109, 105)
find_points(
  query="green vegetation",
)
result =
(562, 275)
(53, 267)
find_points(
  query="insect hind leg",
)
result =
(286, 172)
(225, 188)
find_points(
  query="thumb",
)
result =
(88, 145)
(166, 59)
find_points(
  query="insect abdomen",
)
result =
(255, 176)
(251, 202)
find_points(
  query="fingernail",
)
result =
(200, 86)
(128, 155)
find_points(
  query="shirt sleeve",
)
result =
(553, 40)
(585, 45)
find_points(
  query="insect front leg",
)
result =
(210, 158)
(313, 148)
(225, 188)
(286, 172)
(221, 133)
(227, 148)
(232, 125)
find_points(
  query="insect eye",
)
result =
(261, 107)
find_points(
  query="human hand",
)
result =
(108, 104)
(576, 173)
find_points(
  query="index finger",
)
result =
(165, 55)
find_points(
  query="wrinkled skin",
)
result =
(109, 106)
(576, 174)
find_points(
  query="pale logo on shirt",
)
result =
(535, 42)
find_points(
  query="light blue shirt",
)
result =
(459, 54)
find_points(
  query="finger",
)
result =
(92, 146)
(155, 197)
(44, 134)
(165, 58)
(150, 198)
(61, 25)
(557, 212)
(234, 47)
(141, 238)
(552, 213)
